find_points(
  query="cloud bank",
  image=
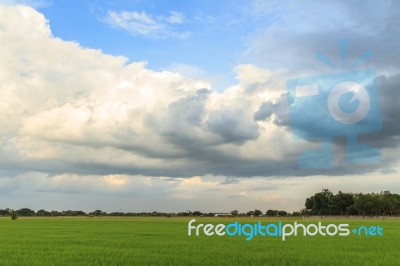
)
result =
(66, 108)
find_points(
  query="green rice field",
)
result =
(165, 241)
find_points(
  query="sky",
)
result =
(182, 105)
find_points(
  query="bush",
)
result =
(14, 216)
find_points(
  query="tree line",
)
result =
(321, 203)
(26, 212)
(327, 203)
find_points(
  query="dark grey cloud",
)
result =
(279, 106)
(303, 29)
(265, 111)
(180, 119)
(233, 125)
(389, 102)
(306, 29)
(389, 136)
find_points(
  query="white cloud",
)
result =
(134, 22)
(175, 18)
(142, 23)
(63, 102)
(32, 3)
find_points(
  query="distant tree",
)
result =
(365, 204)
(197, 213)
(321, 203)
(14, 215)
(389, 203)
(42, 213)
(304, 212)
(73, 213)
(250, 213)
(309, 203)
(98, 213)
(55, 213)
(79, 213)
(5, 211)
(186, 213)
(341, 202)
(235, 213)
(272, 213)
(351, 210)
(25, 212)
(116, 214)
(258, 213)
(282, 213)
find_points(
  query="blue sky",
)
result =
(205, 123)
(209, 39)
(212, 37)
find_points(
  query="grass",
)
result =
(155, 241)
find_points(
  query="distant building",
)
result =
(222, 214)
